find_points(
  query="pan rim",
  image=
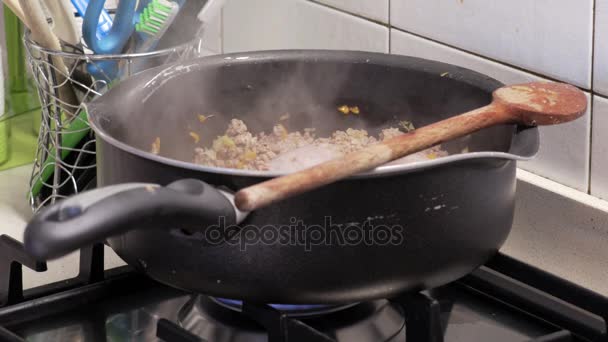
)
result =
(482, 81)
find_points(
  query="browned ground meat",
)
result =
(240, 149)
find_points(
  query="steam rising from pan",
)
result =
(262, 87)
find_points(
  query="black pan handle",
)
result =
(95, 215)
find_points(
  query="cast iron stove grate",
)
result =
(567, 311)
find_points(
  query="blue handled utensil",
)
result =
(114, 40)
(104, 70)
(105, 21)
(120, 32)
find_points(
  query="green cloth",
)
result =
(18, 139)
(21, 122)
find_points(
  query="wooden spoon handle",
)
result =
(537, 103)
(262, 194)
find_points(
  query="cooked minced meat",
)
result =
(240, 149)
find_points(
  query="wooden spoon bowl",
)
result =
(543, 103)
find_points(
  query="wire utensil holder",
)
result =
(65, 157)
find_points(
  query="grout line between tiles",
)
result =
(486, 57)
(591, 105)
(593, 33)
(593, 23)
(375, 21)
(222, 30)
(390, 40)
(603, 97)
(389, 25)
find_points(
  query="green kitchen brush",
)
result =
(154, 21)
(71, 135)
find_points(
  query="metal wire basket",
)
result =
(65, 157)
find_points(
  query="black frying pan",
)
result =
(397, 228)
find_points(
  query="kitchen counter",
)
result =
(14, 209)
(560, 230)
(556, 228)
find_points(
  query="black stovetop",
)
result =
(505, 300)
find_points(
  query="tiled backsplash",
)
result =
(599, 155)
(564, 160)
(600, 71)
(284, 24)
(550, 37)
(513, 41)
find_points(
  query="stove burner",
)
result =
(505, 300)
(220, 320)
(292, 310)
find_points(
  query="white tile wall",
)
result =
(373, 9)
(599, 159)
(513, 41)
(283, 24)
(212, 35)
(551, 37)
(600, 77)
(564, 152)
(408, 44)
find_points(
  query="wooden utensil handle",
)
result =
(262, 194)
(42, 35)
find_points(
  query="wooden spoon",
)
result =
(531, 104)
(36, 21)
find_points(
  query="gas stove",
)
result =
(504, 300)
